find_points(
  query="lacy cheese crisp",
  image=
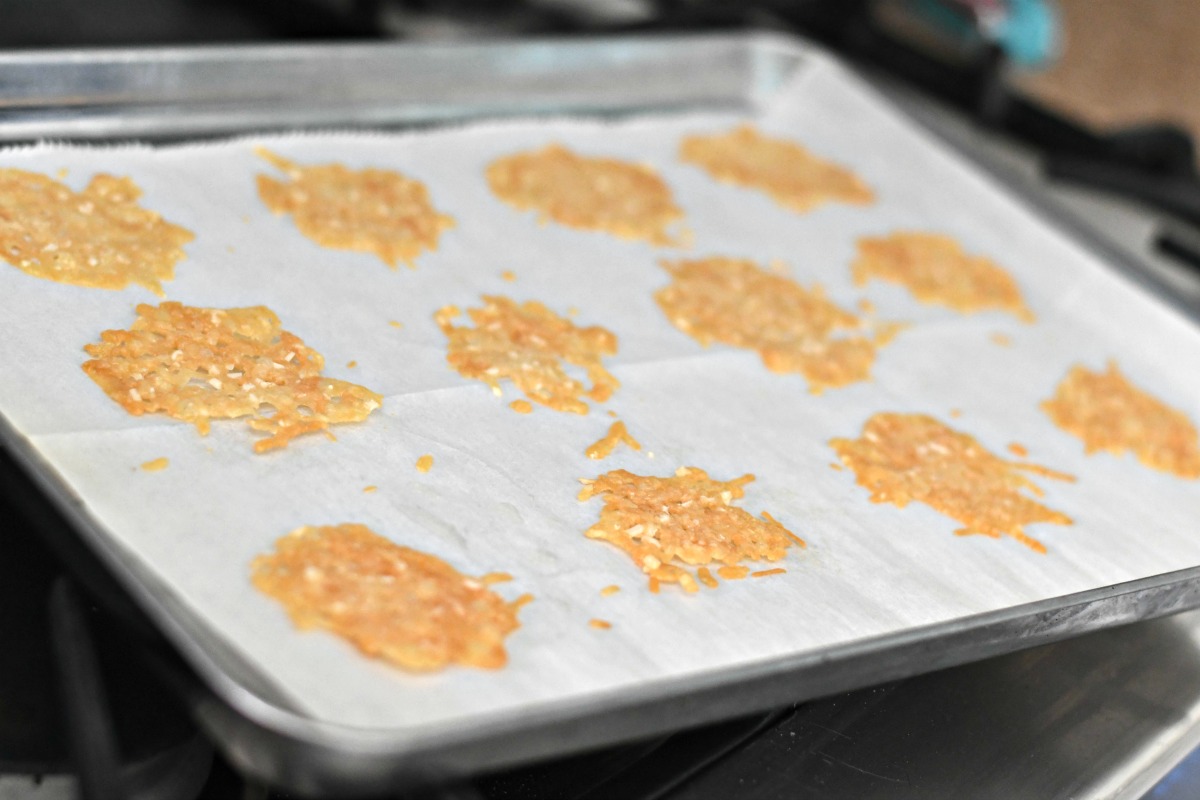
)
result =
(1109, 413)
(371, 210)
(598, 194)
(529, 344)
(200, 364)
(391, 602)
(903, 458)
(792, 176)
(936, 270)
(667, 525)
(99, 238)
(794, 329)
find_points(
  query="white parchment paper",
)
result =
(501, 495)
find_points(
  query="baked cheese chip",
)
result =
(99, 237)
(792, 176)
(530, 345)
(201, 364)
(936, 270)
(391, 602)
(794, 329)
(667, 525)
(371, 210)
(1109, 413)
(600, 194)
(903, 458)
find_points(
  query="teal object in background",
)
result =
(1027, 30)
(1029, 33)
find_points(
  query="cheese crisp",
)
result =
(936, 270)
(687, 519)
(528, 345)
(200, 364)
(792, 176)
(1109, 413)
(793, 329)
(99, 238)
(372, 210)
(391, 602)
(597, 194)
(903, 458)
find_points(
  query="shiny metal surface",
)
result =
(205, 91)
(176, 92)
(1100, 716)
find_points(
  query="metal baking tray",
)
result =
(192, 92)
(165, 94)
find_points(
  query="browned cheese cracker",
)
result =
(371, 210)
(937, 271)
(200, 364)
(391, 602)
(903, 458)
(792, 176)
(597, 194)
(794, 329)
(667, 525)
(1109, 413)
(529, 345)
(100, 237)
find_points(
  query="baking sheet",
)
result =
(502, 493)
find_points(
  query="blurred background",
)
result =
(1094, 104)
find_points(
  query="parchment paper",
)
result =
(501, 495)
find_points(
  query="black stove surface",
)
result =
(146, 716)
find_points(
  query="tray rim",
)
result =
(90, 111)
(307, 755)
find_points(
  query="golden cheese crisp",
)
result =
(617, 434)
(391, 602)
(201, 364)
(371, 210)
(667, 525)
(937, 271)
(528, 344)
(99, 238)
(597, 194)
(903, 458)
(794, 329)
(1109, 413)
(792, 176)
